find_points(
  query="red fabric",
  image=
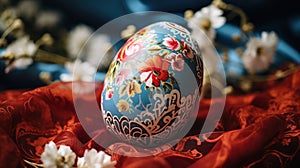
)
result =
(256, 130)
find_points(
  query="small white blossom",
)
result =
(92, 159)
(128, 32)
(47, 19)
(99, 51)
(18, 49)
(79, 71)
(22, 46)
(64, 157)
(21, 63)
(27, 8)
(259, 54)
(77, 39)
(96, 49)
(208, 19)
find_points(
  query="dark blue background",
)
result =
(281, 16)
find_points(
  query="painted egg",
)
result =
(151, 90)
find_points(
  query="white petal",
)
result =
(218, 22)
(256, 63)
(199, 14)
(77, 39)
(214, 11)
(147, 78)
(21, 63)
(206, 11)
(80, 70)
(81, 162)
(27, 8)
(69, 155)
(47, 19)
(66, 77)
(270, 39)
(31, 49)
(49, 155)
(22, 46)
(101, 156)
(99, 51)
(51, 148)
(92, 159)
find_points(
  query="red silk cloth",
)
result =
(256, 130)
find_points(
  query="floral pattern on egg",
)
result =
(153, 85)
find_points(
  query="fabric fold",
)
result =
(256, 130)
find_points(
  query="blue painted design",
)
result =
(152, 87)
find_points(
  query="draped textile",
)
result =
(256, 130)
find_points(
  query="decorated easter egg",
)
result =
(151, 90)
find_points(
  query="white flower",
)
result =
(77, 39)
(208, 19)
(47, 19)
(22, 46)
(128, 32)
(99, 51)
(27, 8)
(21, 63)
(92, 159)
(64, 157)
(260, 52)
(94, 49)
(18, 49)
(79, 71)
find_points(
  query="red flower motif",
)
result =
(154, 70)
(171, 43)
(130, 50)
(186, 50)
(109, 94)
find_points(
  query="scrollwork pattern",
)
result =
(158, 124)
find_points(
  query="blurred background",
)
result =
(63, 20)
(280, 16)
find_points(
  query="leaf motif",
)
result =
(168, 86)
(113, 69)
(164, 88)
(173, 80)
(164, 53)
(122, 91)
(154, 49)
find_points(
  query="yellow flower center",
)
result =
(260, 51)
(61, 161)
(206, 24)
